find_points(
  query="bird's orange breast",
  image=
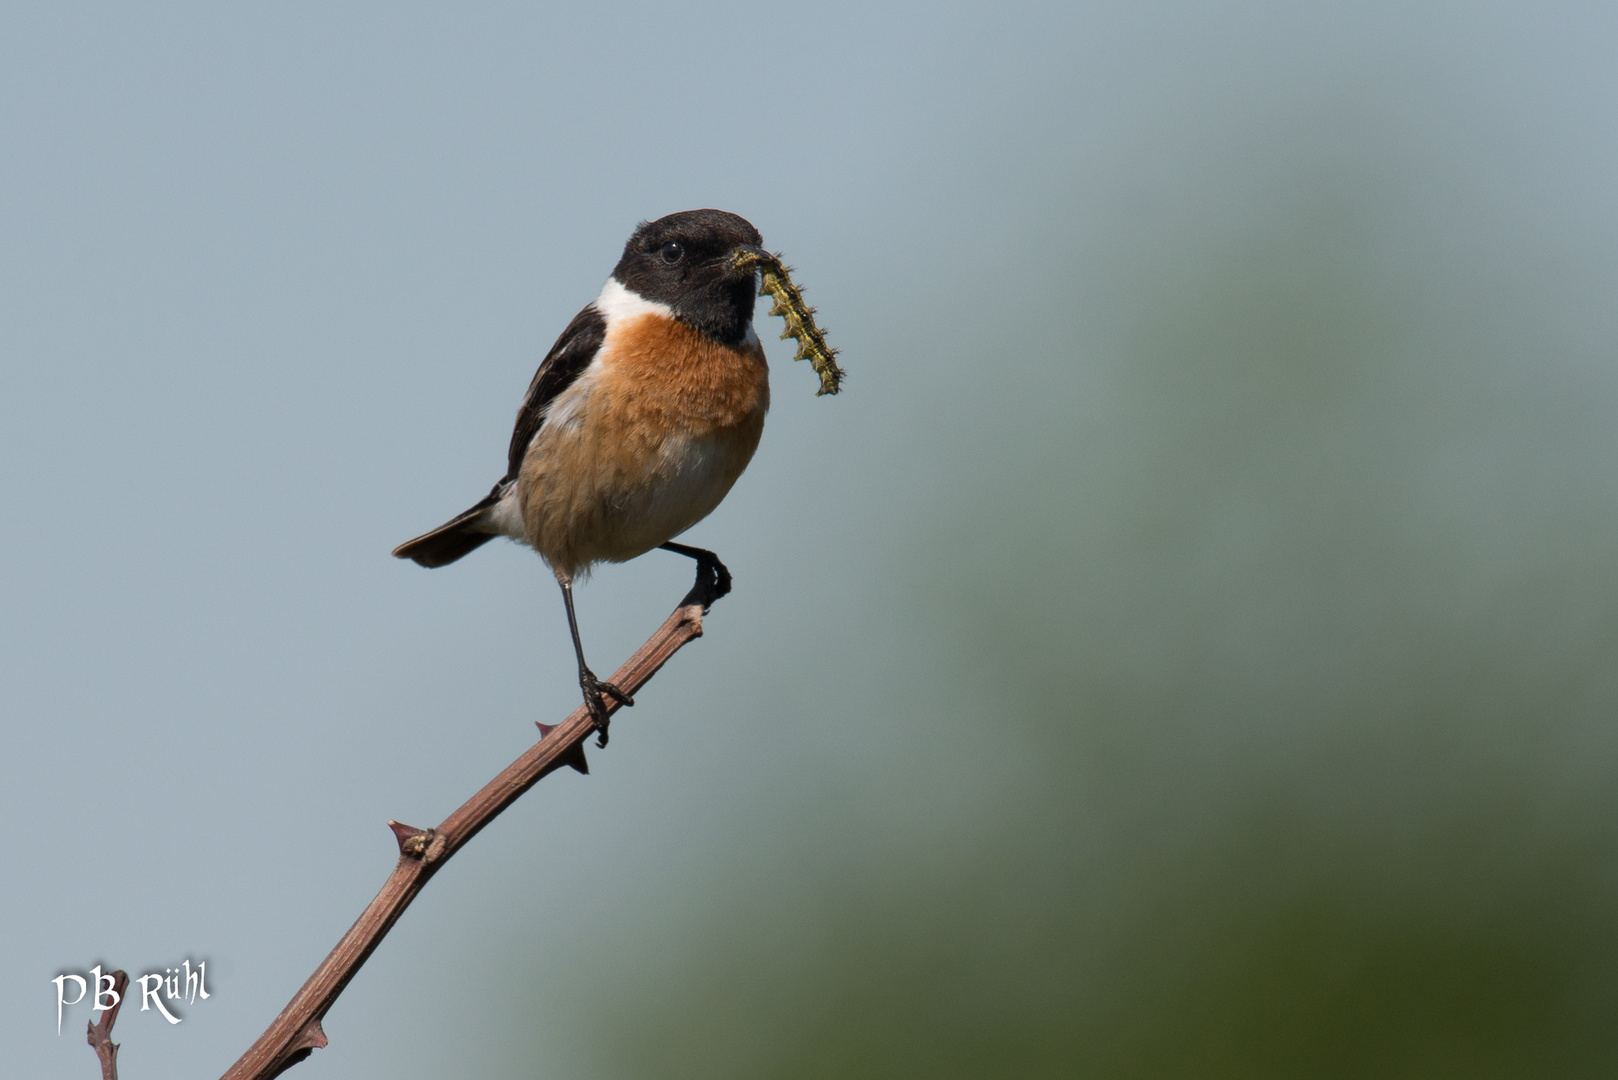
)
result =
(645, 444)
(662, 372)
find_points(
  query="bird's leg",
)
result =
(713, 580)
(592, 687)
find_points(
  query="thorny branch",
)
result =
(297, 1033)
(100, 1034)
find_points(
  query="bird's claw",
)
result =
(713, 582)
(719, 581)
(612, 691)
(596, 691)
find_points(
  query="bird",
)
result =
(641, 417)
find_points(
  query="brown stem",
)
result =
(296, 1033)
(100, 1034)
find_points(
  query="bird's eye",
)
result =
(671, 252)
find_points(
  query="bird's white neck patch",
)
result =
(618, 302)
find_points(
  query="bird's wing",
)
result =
(565, 362)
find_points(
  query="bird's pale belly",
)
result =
(585, 502)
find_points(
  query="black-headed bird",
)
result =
(638, 421)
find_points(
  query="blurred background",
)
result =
(1188, 648)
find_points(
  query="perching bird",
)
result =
(638, 421)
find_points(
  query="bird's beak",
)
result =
(745, 258)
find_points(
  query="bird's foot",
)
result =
(717, 576)
(713, 577)
(596, 691)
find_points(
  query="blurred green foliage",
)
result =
(1268, 726)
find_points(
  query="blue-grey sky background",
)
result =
(1219, 523)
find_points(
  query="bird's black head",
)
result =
(688, 261)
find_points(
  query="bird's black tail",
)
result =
(461, 535)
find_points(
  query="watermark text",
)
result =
(175, 984)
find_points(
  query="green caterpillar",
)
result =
(775, 280)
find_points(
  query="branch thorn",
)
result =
(403, 832)
(312, 1037)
